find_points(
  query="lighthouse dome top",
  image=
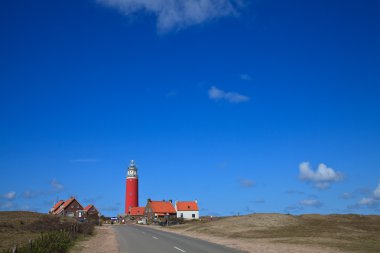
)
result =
(132, 164)
(132, 170)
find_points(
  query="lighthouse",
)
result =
(131, 188)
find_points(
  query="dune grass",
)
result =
(35, 232)
(350, 233)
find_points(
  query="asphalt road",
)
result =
(141, 239)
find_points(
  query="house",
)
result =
(70, 208)
(56, 206)
(159, 210)
(187, 210)
(91, 213)
(136, 212)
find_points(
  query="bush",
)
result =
(86, 228)
(58, 242)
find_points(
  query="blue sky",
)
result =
(246, 106)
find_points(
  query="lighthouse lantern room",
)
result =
(131, 192)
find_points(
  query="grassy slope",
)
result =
(17, 228)
(13, 228)
(356, 233)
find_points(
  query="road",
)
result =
(141, 239)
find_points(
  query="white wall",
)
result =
(188, 215)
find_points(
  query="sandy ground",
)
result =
(254, 245)
(104, 241)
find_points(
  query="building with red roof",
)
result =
(136, 212)
(70, 208)
(91, 212)
(187, 210)
(158, 210)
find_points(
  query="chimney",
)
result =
(170, 201)
(196, 201)
(149, 200)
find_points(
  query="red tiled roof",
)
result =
(88, 207)
(136, 210)
(68, 202)
(162, 207)
(57, 205)
(187, 206)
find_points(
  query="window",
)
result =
(193, 215)
(181, 215)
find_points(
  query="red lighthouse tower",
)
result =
(132, 188)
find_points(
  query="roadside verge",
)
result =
(104, 241)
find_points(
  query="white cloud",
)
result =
(322, 185)
(246, 183)
(293, 208)
(9, 195)
(310, 202)
(7, 205)
(322, 177)
(32, 194)
(91, 200)
(376, 192)
(367, 201)
(56, 185)
(232, 97)
(347, 195)
(84, 160)
(372, 201)
(175, 14)
(259, 201)
(245, 77)
(294, 192)
(357, 192)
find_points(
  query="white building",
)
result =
(187, 210)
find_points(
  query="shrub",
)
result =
(86, 228)
(51, 242)
(57, 235)
(58, 242)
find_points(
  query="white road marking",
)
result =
(155, 237)
(179, 249)
(143, 232)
